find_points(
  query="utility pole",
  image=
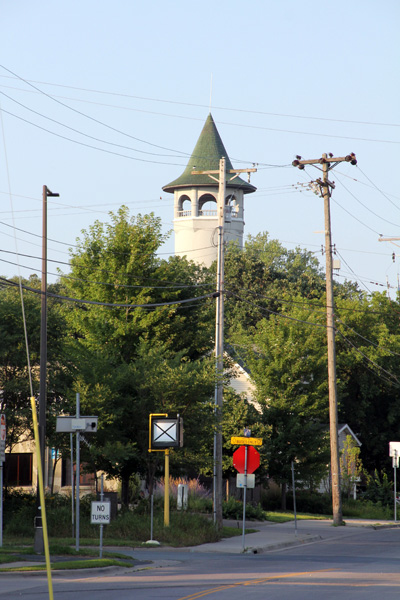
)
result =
(219, 330)
(43, 365)
(328, 163)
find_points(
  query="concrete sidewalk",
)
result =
(269, 537)
(276, 536)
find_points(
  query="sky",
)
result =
(104, 102)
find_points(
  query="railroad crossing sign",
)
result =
(239, 459)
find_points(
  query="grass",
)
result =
(75, 564)
(283, 517)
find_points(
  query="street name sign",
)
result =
(247, 441)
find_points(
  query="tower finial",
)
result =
(211, 91)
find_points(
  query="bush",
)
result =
(365, 509)
(271, 499)
(378, 488)
(310, 502)
(233, 509)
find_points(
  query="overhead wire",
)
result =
(258, 112)
(25, 329)
(110, 304)
(392, 377)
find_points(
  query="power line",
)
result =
(87, 116)
(82, 133)
(110, 304)
(392, 379)
(89, 145)
(241, 110)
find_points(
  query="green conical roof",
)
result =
(206, 156)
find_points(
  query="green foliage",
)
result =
(135, 361)
(14, 381)
(350, 465)
(365, 509)
(233, 509)
(311, 502)
(378, 488)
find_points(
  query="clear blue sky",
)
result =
(287, 78)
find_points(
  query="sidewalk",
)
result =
(275, 536)
(268, 538)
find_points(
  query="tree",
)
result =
(136, 360)
(288, 366)
(350, 465)
(368, 347)
(14, 376)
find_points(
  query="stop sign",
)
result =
(253, 459)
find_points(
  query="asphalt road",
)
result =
(360, 563)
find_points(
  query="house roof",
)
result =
(205, 157)
(342, 428)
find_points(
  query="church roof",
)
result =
(206, 156)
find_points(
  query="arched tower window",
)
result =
(232, 203)
(207, 205)
(184, 206)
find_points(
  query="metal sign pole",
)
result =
(244, 496)
(395, 491)
(1, 503)
(78, 472)
(101, 525)
(71, 440)
(294, 501)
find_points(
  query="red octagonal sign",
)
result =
(253, 459)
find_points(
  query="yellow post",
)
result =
(41, 492)
(166, 489)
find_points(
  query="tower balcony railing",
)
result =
(208, 213)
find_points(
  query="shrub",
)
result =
(233, 509)
(365, 509)
(310, 502)
(378, 488)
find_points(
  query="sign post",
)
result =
(165, 433)
(2, 459)
(78, 425)
(101, 514)
(394, 453)
(246, 460)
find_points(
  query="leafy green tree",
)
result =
(139, 360)
(14, 376)
(350, 465)
(287, 362)
(368, 349)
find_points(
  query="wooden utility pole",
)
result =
(327, 164)
(38, 540)
(219, 331)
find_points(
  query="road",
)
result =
(361, 563)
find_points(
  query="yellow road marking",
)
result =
(271, 578)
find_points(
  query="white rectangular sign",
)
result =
(101, 513)
(240, 480)
(394, 449)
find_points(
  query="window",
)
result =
(18, 468)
